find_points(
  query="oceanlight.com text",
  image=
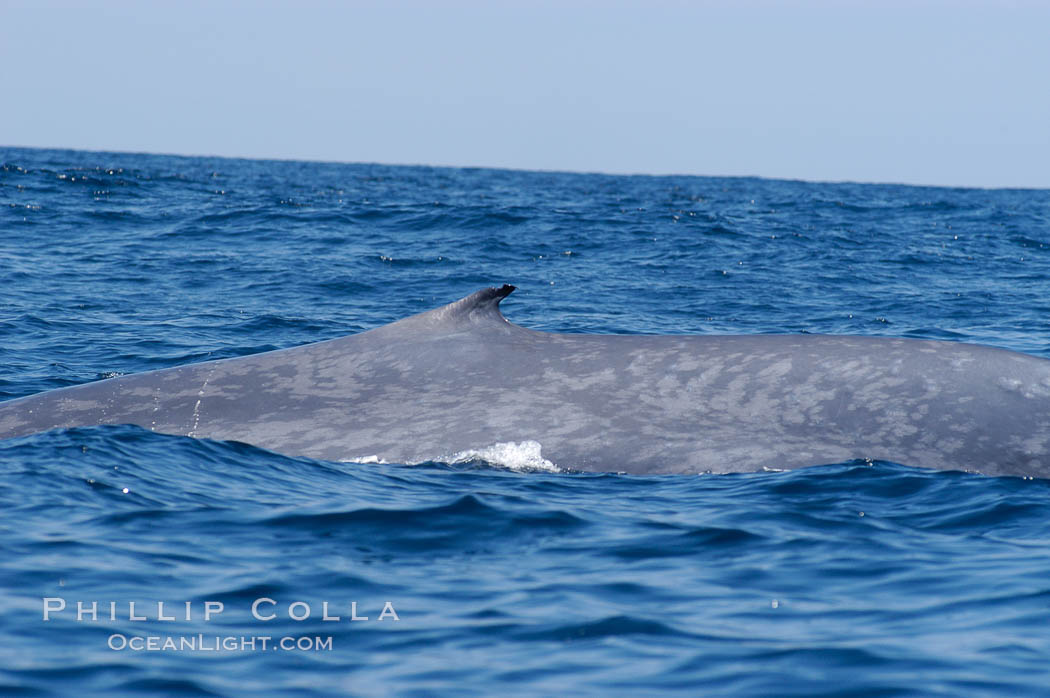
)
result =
(218, 643)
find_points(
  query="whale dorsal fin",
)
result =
(479, 305)
(479, 308)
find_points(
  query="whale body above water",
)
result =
(461, 378)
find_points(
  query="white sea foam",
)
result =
(516, 456)
(365, 459)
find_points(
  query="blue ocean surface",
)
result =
(488, 577)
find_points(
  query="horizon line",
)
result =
(505, 168)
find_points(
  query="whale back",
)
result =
(461, 378)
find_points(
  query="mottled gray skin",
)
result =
(461, 377)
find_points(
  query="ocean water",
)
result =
(483, 577)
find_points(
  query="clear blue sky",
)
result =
(926, 92)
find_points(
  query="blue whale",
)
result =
(461, 379)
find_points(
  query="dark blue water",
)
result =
(850, 579)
